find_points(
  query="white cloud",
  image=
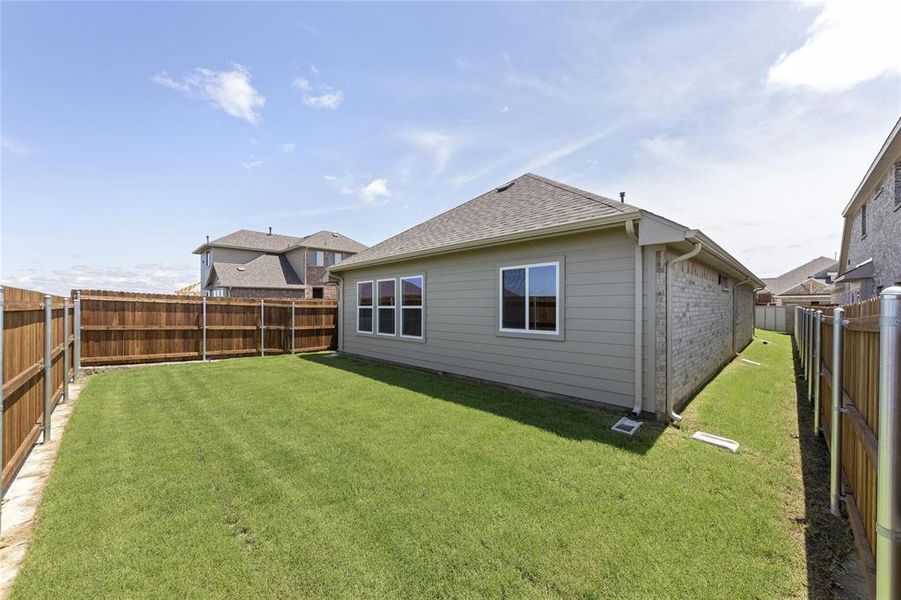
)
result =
(229, 91)
(505, 110)
(439, 145)
(254, 163)
(562, 149)
(314, 69)
(16, 146)
(163, 278)
(848, 43)
(375, 189)
(318, 95)
(287, 147)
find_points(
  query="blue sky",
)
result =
(131, 131)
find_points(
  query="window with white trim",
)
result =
(386, 307)
(412, 304)
(364, 306)
(317, 258)
(530, 298)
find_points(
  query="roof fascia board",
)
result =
(891, 140)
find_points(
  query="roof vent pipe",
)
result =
(207, 239)
(622, 196)
(270, 231)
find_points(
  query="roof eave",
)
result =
(873, 166)
(600, 223)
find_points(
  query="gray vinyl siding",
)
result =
(593, 360)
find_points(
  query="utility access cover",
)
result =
(627, 426)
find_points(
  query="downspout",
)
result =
(669, 319)
(639, 370)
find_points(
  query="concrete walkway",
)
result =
(24, 495)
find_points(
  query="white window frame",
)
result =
(500, 299)
(316, 254)
(378, 307)
(370, 307)
(421, 307)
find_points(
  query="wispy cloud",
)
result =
(562, 149)
(16, 146)
(230, 91)
(318, 95)
(375, 192)
(254, 163)
(847, 44)
(439, 145)
(287, 148)
(162, 277)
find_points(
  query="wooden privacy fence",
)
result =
(37, 363)
(123, 328)
(854, 358)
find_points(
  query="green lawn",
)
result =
(333, 477)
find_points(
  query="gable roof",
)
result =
(529, 203)
(786, 281)
(809, 287)
(266, 271)
(252, 240)
(330, 240)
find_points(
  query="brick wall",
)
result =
(881, 242)
(744, 316)
(701, 326)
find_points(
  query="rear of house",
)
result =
(545, 287)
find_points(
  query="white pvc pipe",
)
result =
(639, 394)
(669, 318)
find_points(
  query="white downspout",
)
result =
(639, 364)
(669, 319)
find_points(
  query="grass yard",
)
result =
(333, 477)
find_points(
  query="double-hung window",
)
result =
(364, 306)
(530, 298)
(386, 306)
(317, 258)
(412, 301)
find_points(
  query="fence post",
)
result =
(2, 405)
(803, 356)
(204, 327)
(835, 458)
(65, 349)
(77, 348)
(797, 325)
(262, 328)
(292, 328)
(817, 350)
(810, 373)
(48, 359)
(888, 480)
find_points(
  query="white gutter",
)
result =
(639, 396)
(690, 236)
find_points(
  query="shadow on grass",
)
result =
(557, 416)
(826, 537)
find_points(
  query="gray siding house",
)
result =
(870, 258)
(257, 264)
(541, 286)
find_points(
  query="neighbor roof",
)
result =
(809, 287)
(529, 203)
(330, 240)
(788, 280)
(266, 271)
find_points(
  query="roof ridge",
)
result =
(620, 206)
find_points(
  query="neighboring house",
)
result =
(266, 265)
(189, 290)
(809, 284)
(542, 286)
(870, 258)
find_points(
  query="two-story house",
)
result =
(256, 264)
(870, 258)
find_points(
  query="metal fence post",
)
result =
(203, 301)
(48, 359)
(888, 481)
(292, 328)
(803, 356)
(810, 373)
(65, 349)
(262, 328)
(77, 348)
(835, 447)
(817, 350)
(797, 327)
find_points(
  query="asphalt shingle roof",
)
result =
(266, 271)
(788, 280)
(528, 203)
(256, 240)
(330, 240)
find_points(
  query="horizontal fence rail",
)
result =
(126, 328)
(842, 348)
(36, 366)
